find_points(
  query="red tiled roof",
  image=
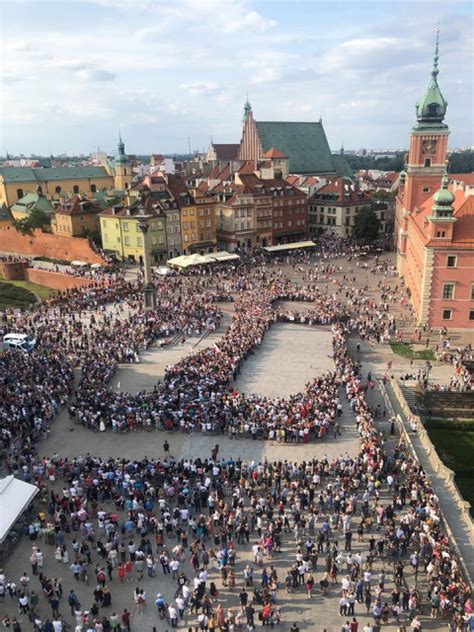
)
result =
(309, 181)
(293, 180)
(463, 230)
(263, 186)
(248, 167)
(215, 171)
(78, 206)
(463, 210)
(226, 151)
(176, 185)
(345, 191)
(203, 187)
(274, 153)
(130, 211)
(467, 178)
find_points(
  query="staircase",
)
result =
(411, 396)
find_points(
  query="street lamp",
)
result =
(149, 295)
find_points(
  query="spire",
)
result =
(435, 71)
(431, 109)
(121, 145)
(121, 156)
(247, 110)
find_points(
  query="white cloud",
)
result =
(201, 88)
(95, 75)
(220, 16)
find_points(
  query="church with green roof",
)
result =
(303, 144)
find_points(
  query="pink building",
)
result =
(435, 222)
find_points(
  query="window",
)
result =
(471, 314)
(426, 189)
(75, 188)
(94, 188)
(125, 227)
(19, 193)
(126, 240)
(124, 172)
(58, 189)
(448, 291)
(440, 234)
(451, 261)
(427, 162)
(105, 237)
(83, 219)
(447, 314)
(140, 241)
(472, 292)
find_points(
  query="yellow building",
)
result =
(77, 217)
(53, 182)
(198, 226)
(120, 233)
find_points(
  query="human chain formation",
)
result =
(190, 522)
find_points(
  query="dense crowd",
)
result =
(109, 520)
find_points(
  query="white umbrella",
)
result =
(79, 264)
(96, 266)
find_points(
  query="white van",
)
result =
(23, 342)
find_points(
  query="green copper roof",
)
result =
(443, 198)
(121, 158)
(247, 110)
(26, 174)
(431, 110)
(5, 213)
(342, 166)
(305, 144)
(32, 201)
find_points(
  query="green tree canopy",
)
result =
(35, 219)
(366, 224)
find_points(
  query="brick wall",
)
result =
(55, 280)
(47, 245)
(13, 270)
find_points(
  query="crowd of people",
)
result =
(185, 528)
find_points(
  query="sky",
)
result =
(162, 72)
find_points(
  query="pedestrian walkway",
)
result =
(463, 534)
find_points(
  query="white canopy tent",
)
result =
(185, 261)
(15, 496)
(223, 255)
(297, 245)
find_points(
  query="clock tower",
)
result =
(428, 144)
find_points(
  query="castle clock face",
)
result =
(429, 146)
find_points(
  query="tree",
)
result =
(36, 219)
(366, 224)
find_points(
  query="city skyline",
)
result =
(163, 74)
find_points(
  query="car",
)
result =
(22, 342)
